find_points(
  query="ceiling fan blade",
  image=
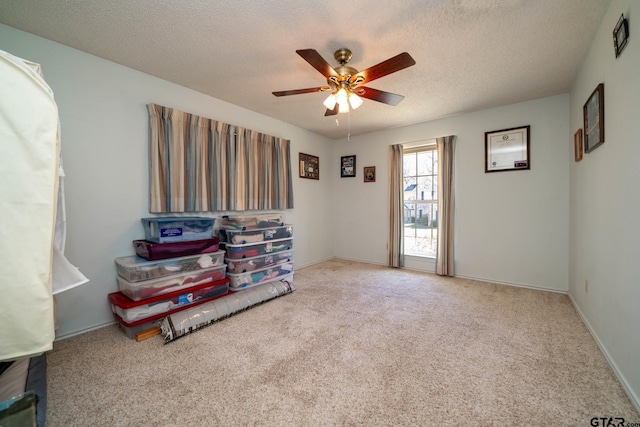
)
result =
(384, 68)
(331, 112)
(298, 91)
(380, 96)
(313, 57)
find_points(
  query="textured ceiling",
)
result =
(470, 54)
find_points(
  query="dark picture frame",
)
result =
(577, 145)
(309, 166)
(593, 112)
(620, 35)
(369, 174)
(348, 166)
(507, 149)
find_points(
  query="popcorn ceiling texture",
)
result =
(355, 344)
(470, 54)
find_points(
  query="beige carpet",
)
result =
(355, 344)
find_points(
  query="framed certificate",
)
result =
(507, 149)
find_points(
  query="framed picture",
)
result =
(348, 166)
(507, 149)
(577, 144)
(593, 112)
(620, 35)
(309, 166)
(369, 174)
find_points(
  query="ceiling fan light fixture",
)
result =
(341, 96)
(330, 102)
(345, 82)
(343, 107)
(354, 100)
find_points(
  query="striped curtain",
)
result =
(396, 207)
(444, 254)
(199, 164)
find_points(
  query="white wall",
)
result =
(102, 109)
(511, 227)
(605, 202)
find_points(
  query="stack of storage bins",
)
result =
(178, 266)
(259, 249)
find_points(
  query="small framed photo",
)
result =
(593, 112)
(309, 166)
(369, 174)
(348, 166)
(620, 35)
(507, 149)
(577, 144)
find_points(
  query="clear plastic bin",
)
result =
(150, 288)
(136, 269)
(133, 311)
(244, 265)
(250, 250)
(133, 329)
(240, 237)
(257, 277)
(286, 278)
(177, 229)
(155, 251)
(248, 222)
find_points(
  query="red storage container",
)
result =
(154, 251)
(133, 311)
(134, 328)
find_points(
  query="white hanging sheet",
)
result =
(29, 171)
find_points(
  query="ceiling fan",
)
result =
(345, 82)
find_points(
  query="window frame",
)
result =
(431, 204)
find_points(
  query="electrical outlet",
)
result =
(586, 286)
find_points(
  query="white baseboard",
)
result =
(296, 266)
(625, 385)
(84, 330)
(517, 285)
(364, 261)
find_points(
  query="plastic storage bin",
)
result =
(177, 229)
(285, 278)
(244, 265)
(261, 234)
(132, 311)
(258, 277)
(254, 249)
(135, 269)
(248, 222)
(150, 288)
(134, 328)
(155, 251)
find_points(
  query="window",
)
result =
(420, 182)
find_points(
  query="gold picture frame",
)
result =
(577, 145)
(369, 174)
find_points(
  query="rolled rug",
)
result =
(185, 322)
